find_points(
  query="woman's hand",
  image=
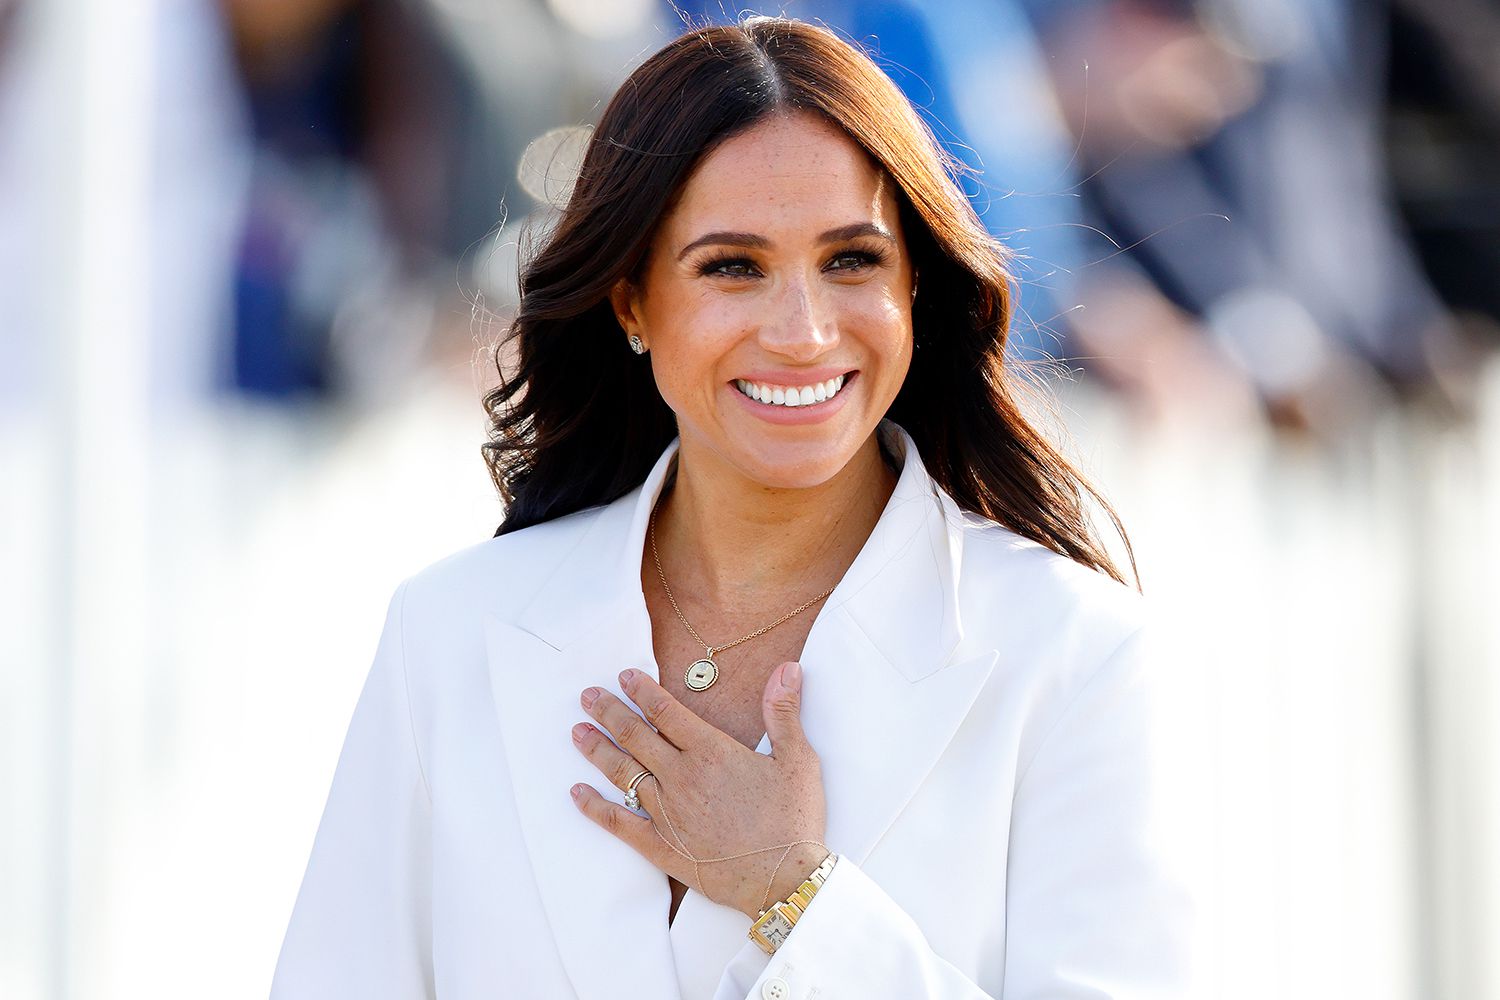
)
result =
(721, 797)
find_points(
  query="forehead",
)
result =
(791, 172)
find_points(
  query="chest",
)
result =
(899, 760)
(732, 703)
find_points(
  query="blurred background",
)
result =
(253, 253)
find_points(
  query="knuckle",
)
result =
(656, 711)
(632, 729)
(612, 821)
(622, 823)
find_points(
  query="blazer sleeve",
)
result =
(361, 925)
(1097, 904)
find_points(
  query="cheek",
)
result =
(888, 322)
(689, 347)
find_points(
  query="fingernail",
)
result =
(580, 731)
(626, 676)
(577, 791)
(791, 676)
(588, 696)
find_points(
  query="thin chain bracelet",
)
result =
(766, 896)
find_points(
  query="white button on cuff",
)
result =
(775, 988)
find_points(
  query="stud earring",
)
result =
(637, 344)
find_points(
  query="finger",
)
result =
(637, 831)
(679, 724)
(781, 707)
(634, 735)
(615, 764)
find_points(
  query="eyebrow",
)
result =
(755, 241)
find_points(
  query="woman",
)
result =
(759, 431)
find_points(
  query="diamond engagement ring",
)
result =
(632, 800)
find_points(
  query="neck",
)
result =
(737, 543)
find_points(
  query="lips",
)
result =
(774, 394)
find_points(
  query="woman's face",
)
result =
(781, 272)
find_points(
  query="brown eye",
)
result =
(854, 260)
(729, 267)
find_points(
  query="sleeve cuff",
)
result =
(831, 946)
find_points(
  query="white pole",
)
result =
(91, 63)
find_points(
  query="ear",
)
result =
(625, 301)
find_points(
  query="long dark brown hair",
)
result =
(576, 419)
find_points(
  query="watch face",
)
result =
(776, 930)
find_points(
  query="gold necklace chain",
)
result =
(656, 557)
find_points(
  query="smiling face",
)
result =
(781, 273)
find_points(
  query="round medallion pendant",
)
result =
(701, 673)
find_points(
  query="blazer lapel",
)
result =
(887, 683)
(606, 905)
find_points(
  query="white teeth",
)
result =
(777, 395)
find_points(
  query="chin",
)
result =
(788, 465)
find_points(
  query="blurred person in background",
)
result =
(1233, 147)
(1444, 142)
(760, 355)
(372, 172)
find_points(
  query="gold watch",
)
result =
(776, 921)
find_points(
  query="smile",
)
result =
(789, 395)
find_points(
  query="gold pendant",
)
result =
(702, 673)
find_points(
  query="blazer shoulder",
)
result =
(498, 575)
(1060, 626)
(1036, 589)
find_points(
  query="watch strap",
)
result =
(777, 920)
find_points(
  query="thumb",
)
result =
(782, 707)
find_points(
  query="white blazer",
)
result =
(986, 717)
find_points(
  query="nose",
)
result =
(801, 324)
